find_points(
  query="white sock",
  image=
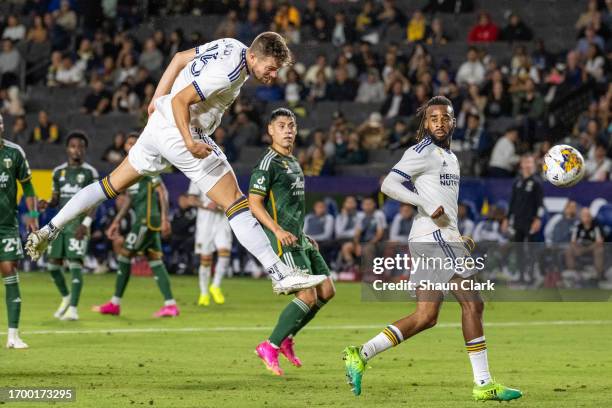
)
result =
(220, 270)
(250, 233)
(116, 300)
(204, 278)
(477, 350)
(12, 333)
(169, 302)
(389, 337)
(72, 309)
(87, 198)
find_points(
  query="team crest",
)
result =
(8, 162)
(80, 178)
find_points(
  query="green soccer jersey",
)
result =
(145, 202)
(69, 180)
(280, 180)
(14, 167)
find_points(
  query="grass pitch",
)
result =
(560, 356)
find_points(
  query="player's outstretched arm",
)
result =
(164, 86)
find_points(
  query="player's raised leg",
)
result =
(485, 388)
(89, 197)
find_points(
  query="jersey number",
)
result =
(200, 62)
(77, 246)
(11, 244)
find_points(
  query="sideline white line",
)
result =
(339, 327)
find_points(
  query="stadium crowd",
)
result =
(383, 59)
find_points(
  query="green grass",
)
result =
(554, 365)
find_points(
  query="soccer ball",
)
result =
(563, 166)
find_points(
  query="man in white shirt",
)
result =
(472, 71)
(197, 87)
(504, 158)
(348, 220)
(433, 170)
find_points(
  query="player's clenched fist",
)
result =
(286, 238)
(438, 213)
(199, 149)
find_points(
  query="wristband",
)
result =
(87, 221)
(33, 214)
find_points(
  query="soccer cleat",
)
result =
(216, 294)
(286, 348)
(269, 356)
(168, 311)
(355, 367)
(294, 281)
(495, 392)
(62, 307)
(70, 314)
(204, 300)
(38, 241)
(109, 308)
(15, 342)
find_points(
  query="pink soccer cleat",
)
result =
(286, 348)
(109, 308)
(269, 356)
(168, 311)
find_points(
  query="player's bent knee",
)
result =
(206, 260)
(326, 290)
(308, 296)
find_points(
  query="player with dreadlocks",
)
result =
(433, 171)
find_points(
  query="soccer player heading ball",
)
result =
(276, 195)
(434, 171)
(195, 90)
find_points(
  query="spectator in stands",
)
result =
(595, 63)
(435, 33)
(372, 132)
(318, 164)
(320, 65)
(489, 230)
(587, 17)
(372, 90)
(226, 143)
(390, 15)
(352, 152)
(369, 231)
(590, 38)
(573, 71)
(270, 92)
(599, 167)
(10, 101)
(19, 132)
(319, 225)
(151, 58)
(528, 106)
(397, 103)
(559, 228)
(177, 42)
(320, 32)
(484, 31)
(286, 14)
(402, 224)
(498, 103)
(115, 152)
(587, 240)
(343, 62)
(248, 30)
(65, 17)
(10, 62)
(472, 71)
(14, 31)
(541, 57)
(292, 35)
(474, 141)
(69, 74)
(504, 158)
(342, 32)
(464, 223)
(294, 89)
(516, 30)
(400, 137)
(54, 67)
(268, 12)
(127, 69)
(85, 55)
(228, 27)
(244, 131)
(416, 29)
(366, 23)
(343, 88)
(98, 101)
(37, 34)
(311, 12)
(347, 220)
(45, 131)
(125, 100)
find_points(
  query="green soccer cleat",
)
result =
(355, 367)
(495, 392)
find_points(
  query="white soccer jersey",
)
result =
(217, 72)
(434, 172)
(213, 230)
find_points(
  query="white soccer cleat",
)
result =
(15, 342)
(70, 314)
(62, 307)
(38, 241)
(294, 281)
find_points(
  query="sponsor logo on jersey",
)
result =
(8, 162)
(259, 183)
(69, 189)
(4, 178)
(449, 179)
(298, 184)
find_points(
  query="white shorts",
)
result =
(213, 232)
(442, 255)
(161, 145)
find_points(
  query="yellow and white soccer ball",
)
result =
(563, 166)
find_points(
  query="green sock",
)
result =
(162, 278)
(76, 270)
(313, 311)
(13, 300)
(291, 316)
(123, 275)
(57, 274)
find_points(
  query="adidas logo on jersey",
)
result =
(444, 164)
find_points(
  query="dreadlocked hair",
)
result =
(421, 113)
